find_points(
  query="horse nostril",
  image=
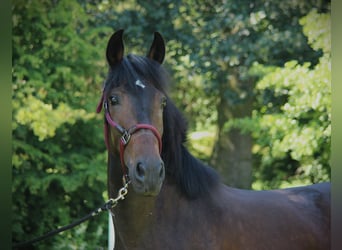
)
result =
(140, 170)
(161, 172)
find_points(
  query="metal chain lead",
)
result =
(112, 202)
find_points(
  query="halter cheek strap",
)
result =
(125, 134)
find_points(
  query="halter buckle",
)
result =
(105, 105)
(125, 137)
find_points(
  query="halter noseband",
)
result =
(125, 134)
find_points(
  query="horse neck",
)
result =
(140, 221)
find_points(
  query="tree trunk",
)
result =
(232, 154)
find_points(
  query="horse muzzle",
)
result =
(147, 176)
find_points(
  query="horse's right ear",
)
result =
(115, 48)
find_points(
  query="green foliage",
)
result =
(292, 124)
(59, 171)
(201, 143)
(43, 120)
(227, 39)
(232, 35)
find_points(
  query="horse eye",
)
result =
(114, 100)
(163, 102)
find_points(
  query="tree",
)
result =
(233, 35)
(293, 134)
(59, 170)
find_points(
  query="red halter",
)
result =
(125, 134)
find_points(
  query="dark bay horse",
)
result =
(175, 201)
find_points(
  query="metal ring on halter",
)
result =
(126, 136)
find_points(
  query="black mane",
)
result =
(192, 177)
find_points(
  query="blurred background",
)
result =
(252, 78)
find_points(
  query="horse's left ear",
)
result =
(157, 50)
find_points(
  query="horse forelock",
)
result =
(133, 69)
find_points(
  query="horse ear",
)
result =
(115, 48)
(157, 50)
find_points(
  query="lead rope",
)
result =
(111, 203)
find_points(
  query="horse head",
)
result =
(133, 99)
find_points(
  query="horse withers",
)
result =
(175, 201)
